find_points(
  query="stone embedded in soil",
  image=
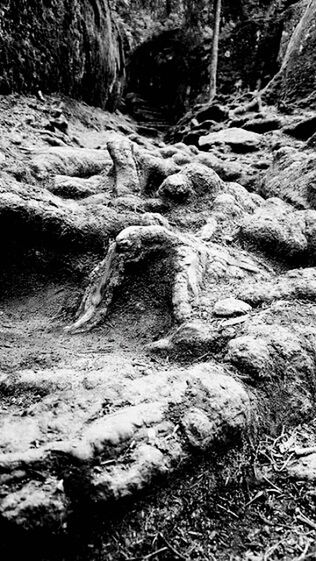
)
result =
(250, 354)
(277, 345)
(279, 229)
(35, 506)
(238, 139)
(212, 111)
(193, 338)
(295, 284)
(231, 307)
(303, 468)
(193, 179)
(263, 124)
(209, 229)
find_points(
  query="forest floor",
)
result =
(236, 500)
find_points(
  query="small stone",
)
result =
(209, 229)
(231, 307)
(2, 158)
(16, 138)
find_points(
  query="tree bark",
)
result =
(214, 55)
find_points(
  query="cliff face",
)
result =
(297, 76)
(70, 46)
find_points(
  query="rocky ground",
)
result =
(157, 333)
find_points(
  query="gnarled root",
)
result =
(134, 244)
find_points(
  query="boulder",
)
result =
(304, 129)
(295, 284)
(279, 229)
(263, 124)
(213, 112)
(194, 179)
(239, 140)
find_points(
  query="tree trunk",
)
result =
(214, 55)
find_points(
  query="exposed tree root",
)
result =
(138, 243)
(34, 217)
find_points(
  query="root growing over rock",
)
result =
(135, 244)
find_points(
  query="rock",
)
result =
(193, 338)
(303, 468)
(296, 78)
(208, 124)
(169, 151)
(227, 171)
(222, 420)
(60, 123)
(182, 159)
(53, 140)
(36, 505)
(93, 67)
(193, 137)
(277, 228)
(231, 307)
(16, 138)
(250, 354)
(226, 204)
(295, 284)
(212, 112)
(177, 188)
(209, 229)
(246, 201)
(192, 179)
(263, 124)
(292, 177)
(304, 129)
(150, 132)
(239, 140)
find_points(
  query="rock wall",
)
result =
(297, 77)
(69, 46)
